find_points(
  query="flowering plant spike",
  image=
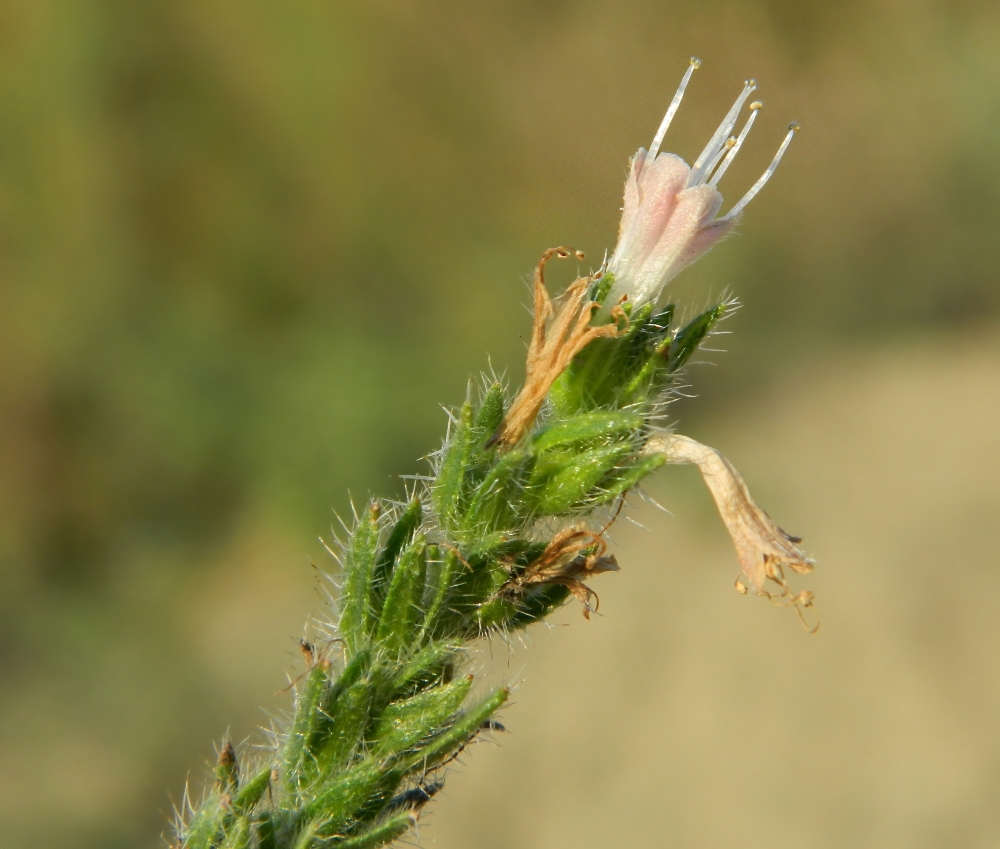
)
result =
(511, 524)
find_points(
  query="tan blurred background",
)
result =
(247, 248)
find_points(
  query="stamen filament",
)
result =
(721, 134)
(723, 151)
(654, 148)
(755, 107)
(793, 128)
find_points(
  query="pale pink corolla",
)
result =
(669, 217)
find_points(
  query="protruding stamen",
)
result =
(793, 128)
(721, 134)
(755, 107)
(654, 148)
(730, 143)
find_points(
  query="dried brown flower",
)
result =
(763, 549)
(557, 336)
(573, 554)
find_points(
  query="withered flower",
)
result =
(559, 333)
(763, 549)
(573, 554)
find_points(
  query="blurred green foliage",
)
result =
(234, 235)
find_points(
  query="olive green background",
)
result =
(248, 248)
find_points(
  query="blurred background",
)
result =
(247, 249)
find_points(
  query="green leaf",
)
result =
(359, 563)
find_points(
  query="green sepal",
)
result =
(359, 565)
(400, 535)
(446, 493)
(336, 805)
(251, 791)
(397, 626)
(307, 838)
(381, 795)
(573, 485)
(476, 606)
(441, 582)
(463, 729)
(267, 831)
(602, 285)
(627, 478)
(348, 718)
(227, 770)
(304, 725)
(404, 723)
(495, 614)
(595, 377)
(490, 413)
(238, 834)
(205, 827)
(381, 833)
(343, 716)
(497, 501)
(538, 603)
(686, 341)
(588, 427)
(428, 665)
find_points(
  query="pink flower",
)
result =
(669, 215)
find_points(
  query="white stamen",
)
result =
(672, 109)
(756, 187)
(755, 107)
(721, 134)
(723, 151)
